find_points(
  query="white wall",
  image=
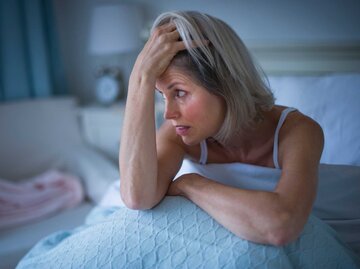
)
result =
(277, 19)
(256, 21)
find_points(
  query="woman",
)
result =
(217, 109)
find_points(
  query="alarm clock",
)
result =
(107, 89)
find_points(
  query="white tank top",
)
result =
(284, 113)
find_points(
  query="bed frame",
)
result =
(307, 58)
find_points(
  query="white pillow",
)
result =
(94, 169)
(334, 102)
(37, 135)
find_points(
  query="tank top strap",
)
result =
(204, 152)
(284, 113)
(283, 116)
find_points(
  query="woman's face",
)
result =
(195, 113)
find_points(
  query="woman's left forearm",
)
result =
(257, 216)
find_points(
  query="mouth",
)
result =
(182, 130)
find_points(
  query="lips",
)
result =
(182, 130)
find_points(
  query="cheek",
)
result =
(204, 112)
(195, 110)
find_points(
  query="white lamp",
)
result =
(115, 29)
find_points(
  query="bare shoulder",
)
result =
(300, 125)
(301, 138)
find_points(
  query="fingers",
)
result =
(179, 45)
(174, 35)
(164, 29)
(160, 49)
(167, 27)
(166, 33)
(167, 36)
(169, 32)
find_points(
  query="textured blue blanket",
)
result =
(178, 234)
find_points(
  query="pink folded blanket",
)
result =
(36, 197)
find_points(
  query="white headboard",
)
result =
(307, 58)
(323, 82)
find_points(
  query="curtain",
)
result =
(30, 64)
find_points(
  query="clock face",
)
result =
(107, 90)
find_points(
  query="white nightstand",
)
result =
(101, 127)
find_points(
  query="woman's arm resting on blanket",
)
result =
(275, 218)
(140, 186)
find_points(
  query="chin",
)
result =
(190, 142)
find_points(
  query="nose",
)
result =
(171, 111)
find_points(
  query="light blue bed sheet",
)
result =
(178, 234)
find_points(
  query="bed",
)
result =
(26, 152)
(178, 234)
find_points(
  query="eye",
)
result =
(180, 93)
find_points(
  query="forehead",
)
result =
(171, 75)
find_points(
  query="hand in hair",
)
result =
(158, 52)
(141, 185)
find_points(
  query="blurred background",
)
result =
(67, 41)
(64, 69)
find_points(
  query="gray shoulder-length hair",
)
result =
(222, 65)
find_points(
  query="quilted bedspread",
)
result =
(178, 234)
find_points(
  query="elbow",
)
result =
(279, 239)
(284, 232)
(136, 202)
(135, 205)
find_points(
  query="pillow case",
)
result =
(95, 170)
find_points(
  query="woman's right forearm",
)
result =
(138, 158)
